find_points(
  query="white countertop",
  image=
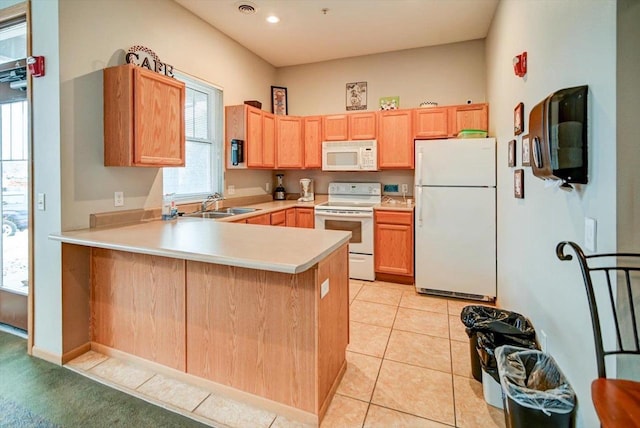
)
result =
(271, 248)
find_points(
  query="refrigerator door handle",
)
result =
(420, 204)
(419, 168)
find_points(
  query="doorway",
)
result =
(14, 173)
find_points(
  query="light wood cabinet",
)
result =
(143, 118)
(305, 218)
(291, 217)
(431, 122)
(260, 219)
(335, 127)
(289, 142)
(395, 140)
(279, 218)
(362, 126)
(257, 129)
(394, 243)
(469, 116)
(313, 142)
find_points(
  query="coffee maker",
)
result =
(279, 194)
(306, 190)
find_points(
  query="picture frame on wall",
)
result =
(526, 151)
(511, 157)
(279, 104)
(518, 184)
(356, 96)
(518, 119)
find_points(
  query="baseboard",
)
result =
(74, 353)
(288, 412)
(46, 355)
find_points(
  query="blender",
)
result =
(306, 190)
(279, 194)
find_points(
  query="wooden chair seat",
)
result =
(617, 402)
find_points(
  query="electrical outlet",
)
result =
(405, 188)
(590, 233)
(231, 189)
(118, 199)
(41, 202)
(267, 186)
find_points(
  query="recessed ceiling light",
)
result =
(273, 19)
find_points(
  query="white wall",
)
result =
(178, 38)
(447, 74)
(573, 43)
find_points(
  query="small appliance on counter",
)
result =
(279, 194)
(306, 190)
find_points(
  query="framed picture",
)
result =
(518, 119)
(389, 103)
(526, 151)
(518, 184)
(279, 100)
(512, 153)
(356, 96)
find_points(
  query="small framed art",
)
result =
(518, 184)
(356, 96)
(511, 157)
(279, 100)
(518, 119)
(526, 151)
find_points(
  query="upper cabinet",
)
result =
(362, 126)
(289, 142)
(313, 142)
(431, 122)
(468, 116)
(143, 118)
(257, 129)
(395, 139)
(335, 127)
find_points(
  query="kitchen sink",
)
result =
(209, 214)
(234, 211)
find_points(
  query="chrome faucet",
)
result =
(216, 197)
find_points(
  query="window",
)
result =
(202, 174)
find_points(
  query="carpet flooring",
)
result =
(35, 393)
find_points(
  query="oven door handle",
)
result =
(350, 215)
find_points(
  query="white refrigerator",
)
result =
(455, 227)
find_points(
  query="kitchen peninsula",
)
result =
(260, 312)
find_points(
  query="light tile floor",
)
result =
(407, 366)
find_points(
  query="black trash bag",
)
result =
(488, 341)
(536, 391)
(484, 318)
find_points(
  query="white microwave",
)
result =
(359, 155)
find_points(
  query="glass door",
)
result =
(14, 172)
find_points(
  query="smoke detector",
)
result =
(247, 8)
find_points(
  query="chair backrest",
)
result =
(613, 270)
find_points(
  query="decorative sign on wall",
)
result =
(356, 96)
(389, 103)
(146, 58)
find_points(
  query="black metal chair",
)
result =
(617, 402)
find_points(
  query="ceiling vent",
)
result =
(246, 8)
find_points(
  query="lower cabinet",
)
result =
(260, 219)
(279, 218)
(305, 217)
(291, 217)
(394, 244)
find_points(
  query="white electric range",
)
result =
(350, 208)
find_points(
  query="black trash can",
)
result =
(505, 328)
(535, 392)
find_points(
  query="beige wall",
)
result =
(447, 74)
(576, 46)
(178, 38)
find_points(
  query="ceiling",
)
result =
(306, 34)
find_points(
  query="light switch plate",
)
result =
(324, 288)
(590, 229)
(231, 189)
(41, 202)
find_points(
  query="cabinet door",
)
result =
(268, 140)
(305, 218)
(289, 149)
(278, 218)
(159, 119)
(335, 127)
(395, 140)
(313, 142)
(253, 140)
(260, 219)
(430, 123)
(291, 217)
(470, 116)
(394, 243)
(362, 126)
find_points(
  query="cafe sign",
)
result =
(146, 58)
